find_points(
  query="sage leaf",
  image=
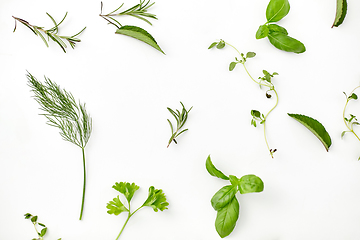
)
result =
(213, 171)
(262, 32)
(223, 197)
(286, 43)
(315, 127)
(276, 10)
(226, 218)
(341, 8)
(250, 183)
(140, 34)
(277, 28)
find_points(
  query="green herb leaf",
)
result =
(126, 188)
(286, 43)
(250, 54)
(221, 44)
(116, 206)
(156, 199)
(315, 127)
(232, 66)
(140, 34)
(250, 183)
(234, 180)
(277, 9)
(213, 45)
(43, 232)
(226, 218)
(341, 8)
(353, 96)
(213, 171)
(262, 32)
(223, 197)
(277, 28)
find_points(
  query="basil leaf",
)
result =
(226, 218)
(250, 183)
(276, 10)
(223, 197)
(286, 43)
(262, 32)
(315, 127)
(213, 171)
(277, 28)
(140, 34)
(234, 180)
(341, 8)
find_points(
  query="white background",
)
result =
(127, 85)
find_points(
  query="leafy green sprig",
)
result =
(180, 118)
(63, 112)
(264, 81)
(225, 202)
(350, 120)
(156, 200)
(52, 33)
(40, 232)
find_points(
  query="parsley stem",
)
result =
(84, 185)
(129, 216)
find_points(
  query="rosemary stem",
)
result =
(84, 185)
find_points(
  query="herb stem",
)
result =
(129, 216)
(350, 126)
(84, 184)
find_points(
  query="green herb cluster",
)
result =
(51, 33)
(156, 200)
(180, 118)
(277, 35)
(40, 232)
(265, 81)
(225, 202)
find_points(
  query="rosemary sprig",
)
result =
(139, 11)
(180, 118)
(51, 33)
(62, 111)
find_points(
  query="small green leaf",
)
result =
(34, 219)
(250, 54)
(223, 197)
(277, 9)
(41, 224)
(116, 206)
(43, 232)
(213, 45)
(255, 113)
(286, 43)
(353, 96)
(213, 171)
(226, 218)
(262, 32)
(221, 44)
(27, 215)
(341, 8)
(232, 66)
(140, 34)
(156, 199)
(315, 127)
(343, 133)
(277, 28)
(126, 188)
(250, 183)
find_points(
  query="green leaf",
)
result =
(223, 197)
(212, 45)
(341, 8)
(315, 127)
(156, 199)
(250, 183)
(234, 180)
(213, 171)
(353, 96)
(41, 224)
(232, 66)
(43, 232)
(277, 28)
(255, 113)
(126, 188)
(116, 206)
(250, 54)
(262, 32)
(343, 133)
(226, 218)
(34, 219)
(27, 215)
(286, 43)
(140, 34)
(221, 44)
(277, 9)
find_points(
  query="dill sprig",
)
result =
(63, 112)
(180, 118)
(51, 33)
(139, 11)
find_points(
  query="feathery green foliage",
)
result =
(41, 233)
(51, 33)
(63, 112)
(180, 118)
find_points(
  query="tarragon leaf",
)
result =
(156, 199)
(277, 9)
(116, 206)
(140, 34)
(223, 197)
(250, 183)
(286, 43)
(213, 171)
(341, 8)
(226, 218)
(126, 188)
(315, 127)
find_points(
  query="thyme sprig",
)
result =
(139, 11)
(180, 118)
(63, 112)
(34, 220)
(51, 33)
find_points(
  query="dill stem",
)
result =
(84, 185)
